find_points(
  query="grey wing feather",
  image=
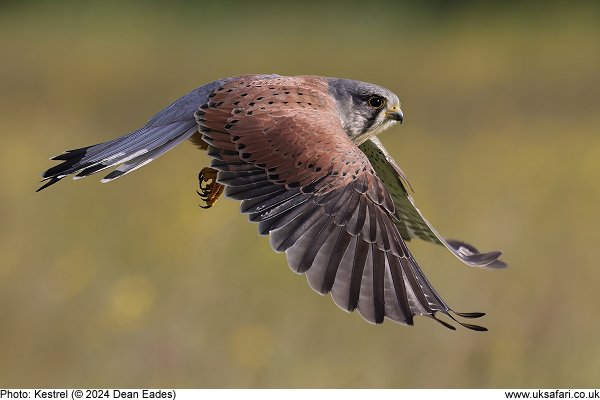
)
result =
(147, 157)
(183, 109)
(340, 255)
(163, 131)
(410, 221)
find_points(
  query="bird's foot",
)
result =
(210, 189)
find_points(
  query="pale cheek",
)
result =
(385, 124)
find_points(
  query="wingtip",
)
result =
(498, 264)
(58, 156)
(50, 181)
(111, 177)
(477, 328)
(473, 257)
(443, 323)
(473, 327)
(470, 314)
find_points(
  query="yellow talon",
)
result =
(210, 189)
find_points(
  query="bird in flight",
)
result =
(302, 156)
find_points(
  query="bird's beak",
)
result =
(394, 113)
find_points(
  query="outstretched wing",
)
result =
(279, 146)
(410, 221)
(165, 130)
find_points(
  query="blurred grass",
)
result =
(132, 285)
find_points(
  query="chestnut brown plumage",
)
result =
(301, 155)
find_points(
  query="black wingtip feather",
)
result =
(470, 314)
(70, 154)
(69, 158)
(51, 181)
(476, 328)
(472, 327)
(444, 323)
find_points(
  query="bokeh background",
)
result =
(132, 284)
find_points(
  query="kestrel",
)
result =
(301, 154)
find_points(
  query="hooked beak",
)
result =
(395, 113)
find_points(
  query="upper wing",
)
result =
(165, 130)
(410, 221)
(280, 148)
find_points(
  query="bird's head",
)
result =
(365, 109)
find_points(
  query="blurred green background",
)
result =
(132, 284)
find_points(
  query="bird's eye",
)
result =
(376, 102)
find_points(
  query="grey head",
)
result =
(365, 109)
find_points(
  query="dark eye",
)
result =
(376, 102)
